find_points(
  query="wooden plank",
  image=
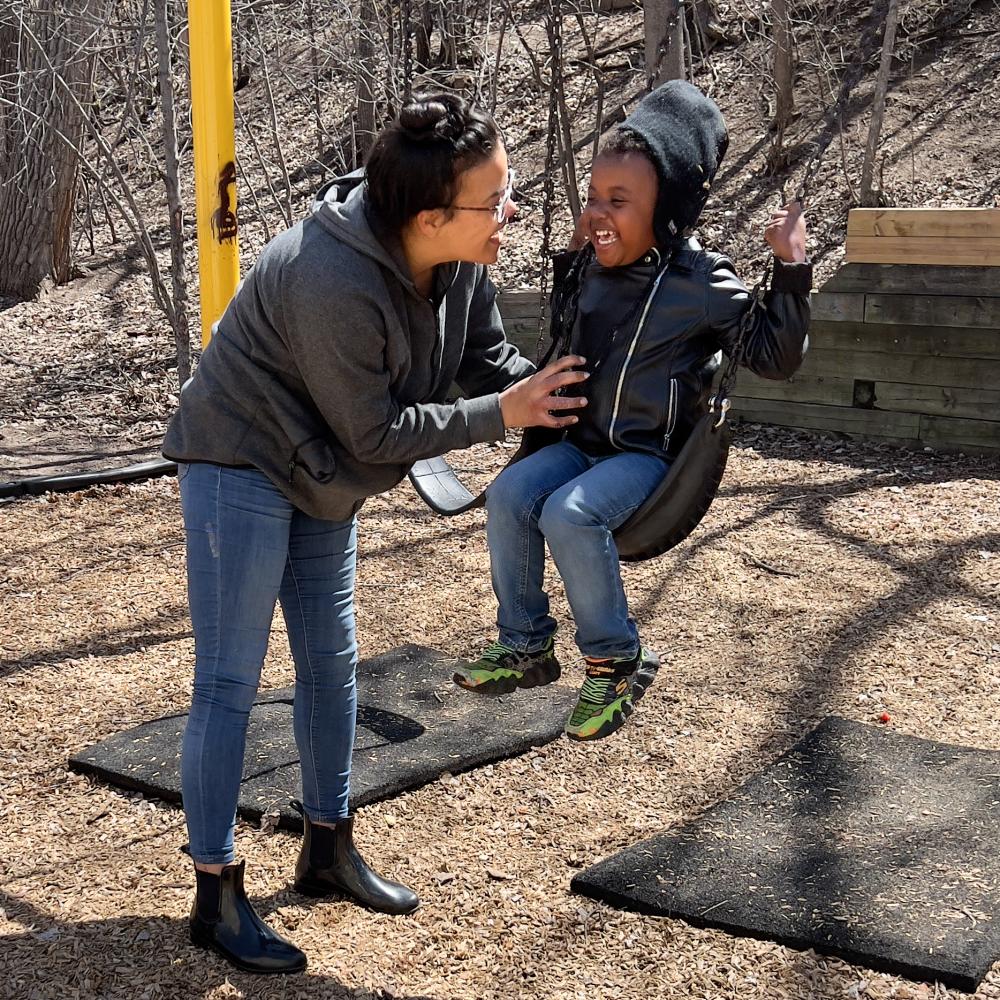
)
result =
(518, 301)
(966, 250)
(914, 279)
(799, 388)
(846, 419)
(845, 307)
(916, 222)
(946, 433)
(936, 400)
(967, 373)
(971, 436)
(934, 310)
(525, 338)
(935, 342)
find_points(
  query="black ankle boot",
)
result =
(223, 919)
(330, 863)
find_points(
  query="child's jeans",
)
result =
(573, 501)
(247, 546)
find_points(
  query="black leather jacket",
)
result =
(651, 337)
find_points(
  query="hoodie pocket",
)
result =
(315, 457)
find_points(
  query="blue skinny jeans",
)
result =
(248, 546)
(573, 501)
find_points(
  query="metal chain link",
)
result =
(553, 28)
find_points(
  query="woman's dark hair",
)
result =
(416, 161)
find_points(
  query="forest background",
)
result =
(892, 102)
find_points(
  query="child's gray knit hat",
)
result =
(686, 135)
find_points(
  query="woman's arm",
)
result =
(339, 352)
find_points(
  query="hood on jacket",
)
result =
(686, 135)
(341, 207)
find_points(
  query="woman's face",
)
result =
(473, 232)
(618, 219)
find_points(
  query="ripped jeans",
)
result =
(247, 547)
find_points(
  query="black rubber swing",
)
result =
(672, 511)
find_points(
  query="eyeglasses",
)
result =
(500, 210)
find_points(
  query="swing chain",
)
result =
(554, 28)
(728, 381)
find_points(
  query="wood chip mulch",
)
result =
(829, 577)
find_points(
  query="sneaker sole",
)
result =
(609, 726)
(534, 677)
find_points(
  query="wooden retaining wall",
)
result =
(905, 353)
(901, 352)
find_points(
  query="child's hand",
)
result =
(527, 403)
(786, 233)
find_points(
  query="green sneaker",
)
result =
(500, 669)
(609, 694)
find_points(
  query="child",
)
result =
(648, 309)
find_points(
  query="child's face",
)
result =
(618, 219)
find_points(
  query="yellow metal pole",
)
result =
(211, 40)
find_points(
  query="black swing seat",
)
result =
(671, 512)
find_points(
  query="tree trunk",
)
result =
(699, 20)
(38, 166)
(784, 68)
(178, 273)
(316, 93)
(365, 132)
(878, 104)
(422, 36)
(664, 34)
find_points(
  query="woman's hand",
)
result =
(527, 403)
(786, 233)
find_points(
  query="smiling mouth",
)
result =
(605, 237)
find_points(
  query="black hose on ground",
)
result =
(37, 485)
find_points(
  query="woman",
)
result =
(325, 380)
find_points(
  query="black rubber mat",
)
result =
(413, 726)
(859, 842)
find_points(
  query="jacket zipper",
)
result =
(671, 413)
(628, 358)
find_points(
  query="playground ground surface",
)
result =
(829, 577)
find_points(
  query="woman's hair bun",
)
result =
(432, 117)
(415, 162)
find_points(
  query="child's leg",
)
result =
(517, 548)
(577, 520)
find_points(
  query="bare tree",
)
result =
(178, 275)
(40, 125)
(664, 41)
(878, 104)
(784, 67)
(366, 127)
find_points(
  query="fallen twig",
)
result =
(767, 566)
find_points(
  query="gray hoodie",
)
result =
(329, 372)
